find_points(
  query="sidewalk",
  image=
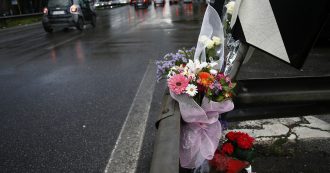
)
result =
(298, 144)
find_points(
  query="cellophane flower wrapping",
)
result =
(201, 133)
(211, 28)
(196, 80)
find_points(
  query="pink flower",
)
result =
(228, 79)
(178, 83)
(221, 76)
(211, 86)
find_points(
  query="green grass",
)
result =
(19, 21)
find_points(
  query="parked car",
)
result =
(159, 2)
(142, 3)
(68, 13)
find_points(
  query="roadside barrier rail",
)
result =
(165, 157)
(4, 19)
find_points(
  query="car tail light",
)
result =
(144, 1)
(73, 9)
(45, 10)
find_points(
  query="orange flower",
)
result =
(206, 78)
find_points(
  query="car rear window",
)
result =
(59, 3)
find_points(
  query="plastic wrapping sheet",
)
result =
(211, 26)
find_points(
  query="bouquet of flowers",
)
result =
(235, 154)
(194, 78)
(198, 80)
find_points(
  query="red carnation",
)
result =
(245, 141)
(227, 148)
(231, 136)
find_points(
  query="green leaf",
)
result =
(226, 88)
(220, 98)
(241, 154)
(233, 85)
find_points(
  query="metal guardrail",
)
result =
(165, 157)
(4, 19)
(20, 16)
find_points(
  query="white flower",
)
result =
(188, 73)
(212, 64)
(191, 90)
(230, 7)
(216, 40)
(203, 65)
(173, 71)
(203, 39)
(185, 71)
(174, 68)
(191, 66)
(170, 74)
(209, 44)
(195, 66)
(214, 72)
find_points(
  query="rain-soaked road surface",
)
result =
(65, 96)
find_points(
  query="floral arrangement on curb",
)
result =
(235, 154)
(194, 78)
(198, 79)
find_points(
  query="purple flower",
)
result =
(217, 85)
(170, 60)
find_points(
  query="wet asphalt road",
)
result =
(64, 96)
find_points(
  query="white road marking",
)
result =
(124, 156)
(64, 42)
